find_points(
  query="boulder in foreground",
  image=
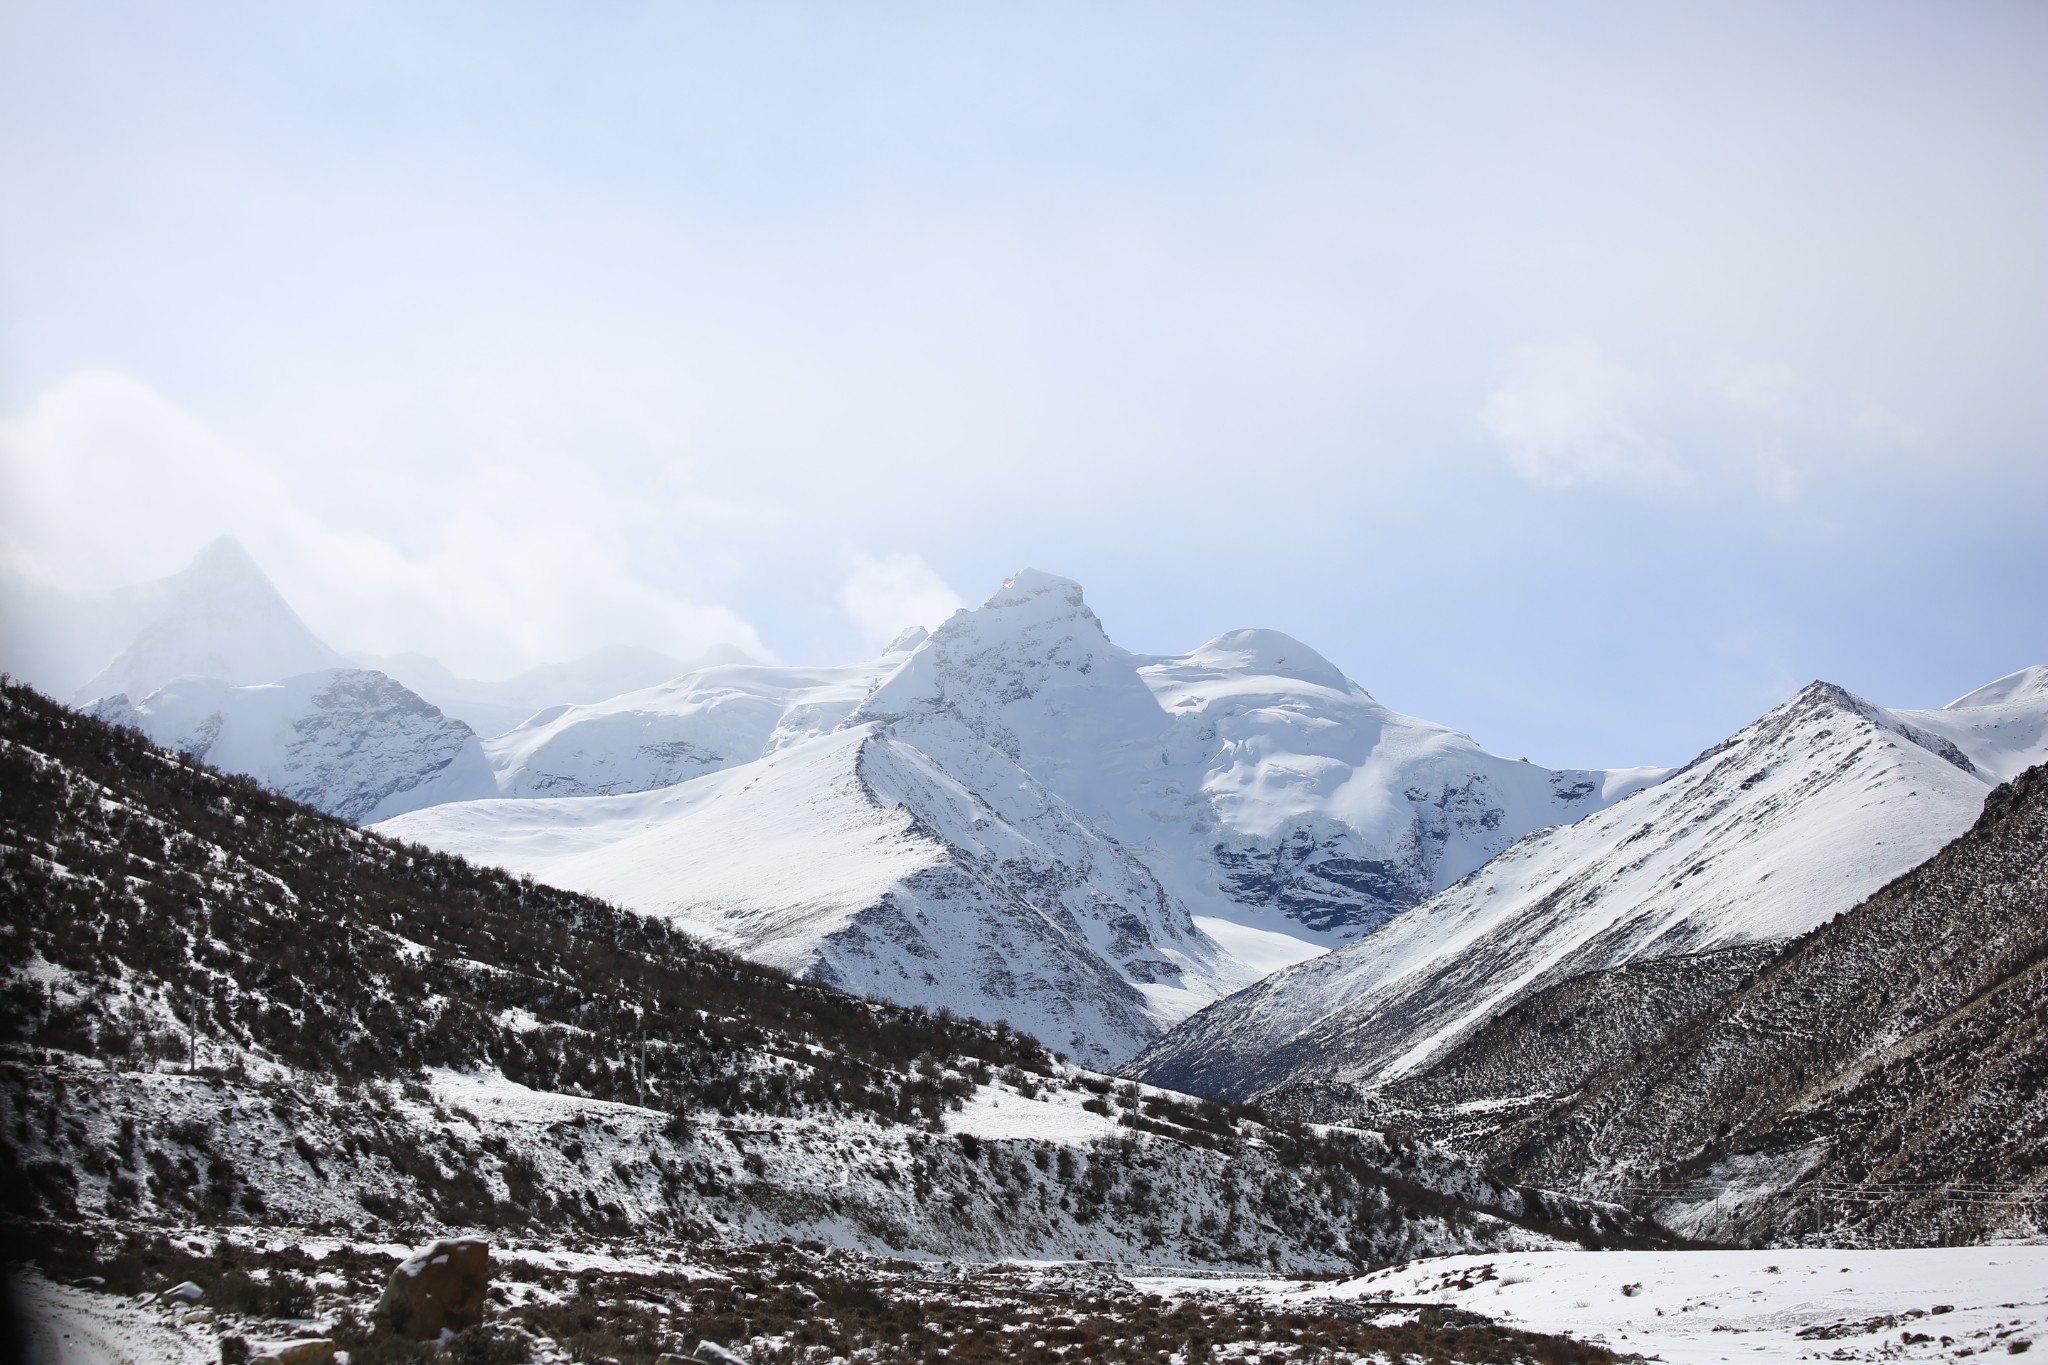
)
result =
(438, 1289)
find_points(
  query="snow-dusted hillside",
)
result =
(217, 618)
(697, 723)
(349, 741)
(1015, 817)
(1796, 818)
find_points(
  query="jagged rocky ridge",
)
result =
(1797, 817)
(227, 1007)
(1883, 1081)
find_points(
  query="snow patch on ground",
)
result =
(1710, 1306)
(996, 1112)
(67, 1326)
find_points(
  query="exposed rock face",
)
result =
(439, 1288)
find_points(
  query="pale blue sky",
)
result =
(1588, 377)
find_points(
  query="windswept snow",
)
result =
(1054, 1115)
(699, 723)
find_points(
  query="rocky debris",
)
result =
(439, 1288)
(711, 1353)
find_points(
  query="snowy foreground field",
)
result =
(1679, 1307)
(1946, 1303)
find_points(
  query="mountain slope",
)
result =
(217, 618)
(223, 1007)
(1796, 818)
(1884, 1080)
(347, 741)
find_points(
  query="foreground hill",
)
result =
(226, 1007)
(1798, 817)
(1014, 817)
(1884, 1080)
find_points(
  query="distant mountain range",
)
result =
(348, 740)
(1014, 817)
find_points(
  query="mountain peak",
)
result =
(223, 556)
(2020, 686)
(218, 617)
(1270, 653)
(1028, 585)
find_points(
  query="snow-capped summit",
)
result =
(1033, 674)
(219, 617)
(2025, 685)
(2002, 727)
(1264, 653)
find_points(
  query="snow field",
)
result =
(1696, 1307)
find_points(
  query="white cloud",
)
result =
(1571, 414)
(887, 594)
(107, 482)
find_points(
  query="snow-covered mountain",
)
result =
(349, 741)
(1020, 820)
(1798, 817)
(491, 707)
(217, 618)
(697, 723)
